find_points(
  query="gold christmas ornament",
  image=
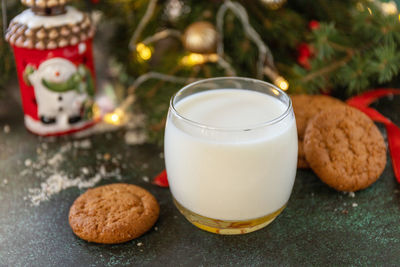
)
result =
(273, 4)
(200, 37)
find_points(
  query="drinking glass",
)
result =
(230, 153)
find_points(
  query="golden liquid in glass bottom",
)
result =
(223, 227)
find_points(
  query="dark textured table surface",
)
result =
(319, 226)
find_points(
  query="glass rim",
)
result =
(233, 129)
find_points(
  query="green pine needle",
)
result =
(387, 62)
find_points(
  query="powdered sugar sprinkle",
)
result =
(47, 167)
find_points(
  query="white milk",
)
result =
(231, 174)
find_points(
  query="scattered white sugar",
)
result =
(161, 155)
(352, 194)
(136, 121)
(5, 181)
(354, 205)
(139, 244)
(99, 156)
(84, 144)
(56, 159)
(59, 182)
(145, 166)
(135, 137)
(65, 148)
(103, 170)
(85, 170)
(146, 179)
(24, 172)
(28, 162)
(46, 167)
(6, 129)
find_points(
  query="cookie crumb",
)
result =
(6, 129)
(139, 244)
(354, 205)
(352, 194)
(156, 228)
(146, 179)
(5, 181)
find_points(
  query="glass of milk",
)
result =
(231, 153)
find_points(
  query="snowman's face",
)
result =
(56, 70)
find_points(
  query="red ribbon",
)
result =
(362, 103)
(161, 179)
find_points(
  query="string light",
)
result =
(96, 111)
(281, 83)
(360, 7)
(278, 80)
(276, 92)
(143, 51)
(197, 59)
(115, 118)
(389, 8)
(193, 59)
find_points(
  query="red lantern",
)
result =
(53, 53)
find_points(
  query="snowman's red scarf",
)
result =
(362, 103)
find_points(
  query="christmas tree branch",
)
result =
(335, 65)
(143, 22)
(340, 47)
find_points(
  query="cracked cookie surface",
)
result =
(114, 213)
(305, 107)
(345, 148)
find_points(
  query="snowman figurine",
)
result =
(52, 45)
(61, 90)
